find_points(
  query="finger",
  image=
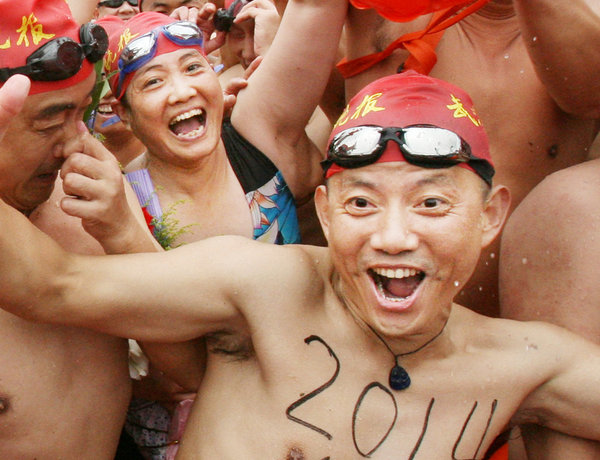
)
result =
(87, 144)
(252, 67)
(235, 85)
(12, 97)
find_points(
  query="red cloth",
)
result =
(501, 453)
(406, 10)
(421, 44)
(410, 98)
(27, 25)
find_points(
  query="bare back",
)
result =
(530, 136)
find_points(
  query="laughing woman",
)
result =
(201, 175)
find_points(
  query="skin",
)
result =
(514, 371)
(168, 6)
(116, 137)
(539, 99)
(550, 275)
(125, 11)
(42, 363)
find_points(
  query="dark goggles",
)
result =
(142, 49)
(118, 3)
(223, 19)
(61, 58)
(426, 146)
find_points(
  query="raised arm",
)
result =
(562, 38)
(272, 112)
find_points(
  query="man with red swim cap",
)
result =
(63, 390)
(351, 351)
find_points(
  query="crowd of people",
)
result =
(424, 183)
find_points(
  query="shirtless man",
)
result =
(532, 72)
(58, 384)
(324, 374)
(548, 271)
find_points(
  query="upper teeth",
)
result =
(396, 273)
(185, 116)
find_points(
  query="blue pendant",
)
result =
(399, 378)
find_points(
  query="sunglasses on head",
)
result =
(142, 49)
(223, 19)
(61, 58)
(117, 3)
(426, 146)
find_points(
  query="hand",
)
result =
(236, 84)
(266, 22)
(12, 97)
(93, 181)
(204, 19)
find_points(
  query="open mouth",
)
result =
(396, 284)
(105, 109)
(188, 124)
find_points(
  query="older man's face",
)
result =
(32, 148)
(404, 240)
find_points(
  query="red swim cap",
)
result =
(27, 25)
(121, 33)
(410, 98)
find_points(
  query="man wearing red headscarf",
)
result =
(63, 391)
(357, 350)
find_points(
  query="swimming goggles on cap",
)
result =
(426, 146)
(142, 49)
(117, 3)
(61, 58)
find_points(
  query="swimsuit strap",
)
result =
(420, 44)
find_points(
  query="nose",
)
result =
(248, 52)
(394, 232)
(180, 89)
(126, 11)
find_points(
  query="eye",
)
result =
(359, 206)
(151, 82)
(434, 206)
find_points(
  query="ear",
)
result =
(122, 112)
(494, 214)
(322, 206)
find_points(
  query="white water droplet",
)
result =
(456, 283)
(524, 260)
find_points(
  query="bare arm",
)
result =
(548, 271)
(272, 112)
(562, 38)
(567, 399)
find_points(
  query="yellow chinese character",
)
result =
(461, 112)
(5, 45)
(37, 34)
(109, 59)
(343, 117)
(125, 38)
(367, 105)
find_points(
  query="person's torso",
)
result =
(63, 391)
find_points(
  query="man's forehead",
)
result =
(49, 103)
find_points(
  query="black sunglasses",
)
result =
(61, 58)
(426, 146)
(117, 3)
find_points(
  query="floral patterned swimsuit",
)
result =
(270, 200)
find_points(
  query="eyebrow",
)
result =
(183, 57)
(53, 109)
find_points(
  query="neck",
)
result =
(497, 10)
(196, 177)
